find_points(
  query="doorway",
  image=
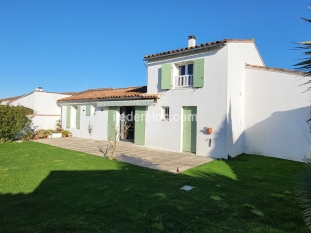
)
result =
(189, 129)
(127, 123)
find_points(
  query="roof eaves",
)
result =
(275, 69)
(22, 96)
(197, 47)
(183, 50)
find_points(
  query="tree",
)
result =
(304, 185)
(13, 120)
(305, 64)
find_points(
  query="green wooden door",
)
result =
(189, 129)
(140, 123)
(111, 132)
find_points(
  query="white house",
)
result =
(225, 84)
(46, 111)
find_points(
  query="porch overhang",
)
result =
(148, 102)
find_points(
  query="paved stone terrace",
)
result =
(131, 153)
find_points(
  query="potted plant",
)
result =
(65, 133)
(69, 134)
(48, 132)
(40, 133)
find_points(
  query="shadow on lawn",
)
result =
(136, 199)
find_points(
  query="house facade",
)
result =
(46, 111)
(222, 85)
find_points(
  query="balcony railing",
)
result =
(184, 81)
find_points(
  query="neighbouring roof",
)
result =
(206, 45)
(111, 93)
(11, 99)
(276, 69)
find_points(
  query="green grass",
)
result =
(48, 189)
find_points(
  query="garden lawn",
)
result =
(48, 189)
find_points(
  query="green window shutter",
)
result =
(198, 73)
(111, 132)
(166, 76)
(68, 117)
(78, 117)
(88, 110)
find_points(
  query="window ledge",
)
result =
(183, 88)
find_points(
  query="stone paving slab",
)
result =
(130, 153)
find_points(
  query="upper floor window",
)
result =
(185, 76)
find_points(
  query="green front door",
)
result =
(140, 123)
(189, 129)
(111, 132)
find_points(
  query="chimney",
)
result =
(39, 89)
(191, 41)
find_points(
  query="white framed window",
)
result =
(184, 77)
(165, 113)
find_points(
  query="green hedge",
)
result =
(13, 119)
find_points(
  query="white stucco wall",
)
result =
(220, 103)
(210, 102)
(98, 121)
(238, 55)
(44, 122)
(44, 104)
(26, 101)
(276, 109)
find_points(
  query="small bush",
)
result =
(27, 136)
(65, 132)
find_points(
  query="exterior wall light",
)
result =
(209, 130)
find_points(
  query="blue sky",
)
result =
(65, 45)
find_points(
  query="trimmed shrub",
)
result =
(13, 120)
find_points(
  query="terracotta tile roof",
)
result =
(276, 69)
(111, 93)
(200, 46)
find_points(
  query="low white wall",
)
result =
(276, 110)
